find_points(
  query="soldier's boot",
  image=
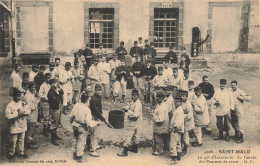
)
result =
(79, 159)
(184, 150)
(220, 137)
(153, 98)
(56, 136)
(133, 148)
(124, 153)
(74, 156)
(178, 156)
(53, 140)
(235, 137)
(227, 136)
(174, 158)
(45, 131)
(240, 138)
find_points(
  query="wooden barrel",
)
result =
(116, 118)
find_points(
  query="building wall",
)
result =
(67, 35)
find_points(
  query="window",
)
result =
(165, 27)
(101, 27)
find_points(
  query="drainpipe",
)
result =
(12, 15)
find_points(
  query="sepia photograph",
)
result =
(130, 82)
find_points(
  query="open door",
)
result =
(195, 41)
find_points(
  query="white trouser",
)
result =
(198, 134)
(175, 143)
(95, 137)
(118, 85)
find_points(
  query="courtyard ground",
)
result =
(111, 139)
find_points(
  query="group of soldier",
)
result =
(180, 108)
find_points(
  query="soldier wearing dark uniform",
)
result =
(171, 57)
(39, 78)
(150, 72)
(121, 51)
(134, 51)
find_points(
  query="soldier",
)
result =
(158, 82)
(44, 104)
(140, 43)
(65, 78)
(167, 71)
(160, 123)
(33, 73)
(185, 56)
(201, 116)
(191, 93)
(145, 49)
(104, 71)
(16, 112)
(134, 120)
(149, 73)
(176, 130)
(237, 115)
(78, 75)
(55, 97)
(122, 72)
(134, 51)
(177, 79)
(101, 52)
(93, 74)
(97, 113)
(81, 120)
(151, 53)
(32, 101)
(39, 78)
(25, 77)
(58, 68)
(138, 70)
(223, 99)
(15, 79)
(188, 120)
(186, 79)
(208, 92)
(171, 57)
(88, 54)
(121, 51)
(52, 70)
(113, 63)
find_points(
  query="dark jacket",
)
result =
(138, 66)
(96, 107)
(172, 57)
(120, 75)
(54, 98)
(184, 65)
(121, 52)
(208, 89)
(151, 71)
(151, 51)
(136, 50)
(39, 80)
(146, 49)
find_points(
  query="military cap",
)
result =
(42, 67)
(25, 75)
(135, 92)
(114, 54)
(223, 81)
(183, 92)
(175, 68)
(135, 42)
(47, 75)
(122, 43)
(57, 59)
(146, 40)
(160, 95)
(97, 87)
(160, 68)
(31, 84)
(148, 60)
(35, 66)
(52, 81)
(67, 64)
(186, 71)
(52, 64)
(197, 88)
(191, 82)
(16, 92)
(140, 38)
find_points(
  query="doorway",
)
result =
(195, 41)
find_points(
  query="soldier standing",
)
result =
(113, 63)
(33, 73)
(149, 72)
(39, 78)
(78, 75)
(134, 120)
(15, 79)
(16, 112)
(88, 54)
(171, 57)
(135, 51)
(121, 51)
(104, 71)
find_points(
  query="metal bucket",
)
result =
(116, 118)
